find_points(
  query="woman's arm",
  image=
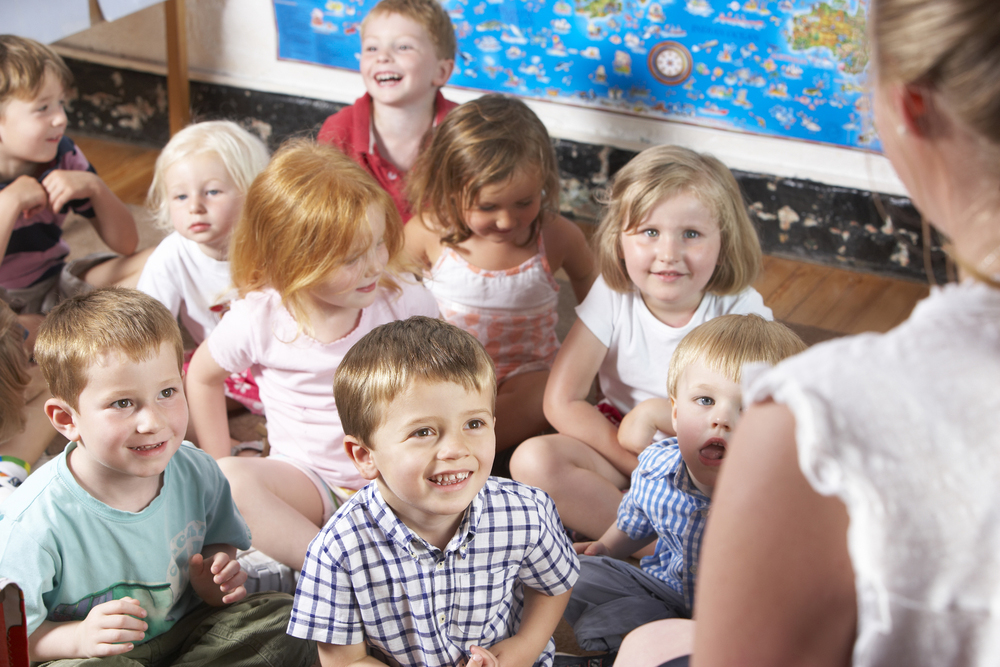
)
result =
(775, 583)
(566, 406)
(206, 394)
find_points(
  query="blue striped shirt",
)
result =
(367, 577)
(664, 500)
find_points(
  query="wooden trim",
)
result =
(178, 85)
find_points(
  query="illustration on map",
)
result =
(786, 68)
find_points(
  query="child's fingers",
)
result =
(236, 595)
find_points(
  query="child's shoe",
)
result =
(601, 660)
(265, 574)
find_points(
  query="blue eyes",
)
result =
(704, 400)
(691, 234)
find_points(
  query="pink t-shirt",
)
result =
(295, 372)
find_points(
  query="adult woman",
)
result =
(855, 520)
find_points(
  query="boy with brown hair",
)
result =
(125, 543)
(436, 563)
(407, 54)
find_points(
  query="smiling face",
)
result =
(671, 256)
(129, 420)
(399, 63)
(431, 455)
(203, 201)
(705, 412)
(503, 212)
(30, 129)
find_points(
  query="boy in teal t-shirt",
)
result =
(126, 542)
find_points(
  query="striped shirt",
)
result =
(36, 249)
(367, 577)
(664, 500)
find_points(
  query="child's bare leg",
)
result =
(280, 504)
(586, 488)
(30, 444)
(120, 271)
(519, 409)
(658, 642)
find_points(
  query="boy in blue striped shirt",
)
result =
(672, 487)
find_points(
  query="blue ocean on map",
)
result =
(785, 68)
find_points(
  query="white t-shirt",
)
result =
(189, 283)
(904, 428)
(295, 372)
(639, 345)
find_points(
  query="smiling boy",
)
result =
(671, 489)
(407, 54)
(435, 562)
(125, 543)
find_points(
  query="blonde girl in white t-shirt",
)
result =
(316, 259)
(675, 248)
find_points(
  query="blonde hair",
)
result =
(429, 14)
(725, 343)
(241, 153)
(13, 374)
(23, 64)
(662, 172)
(482, 142)
(109, 320)
(303, 217)
(390, 358)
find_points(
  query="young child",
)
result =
(489, 236)
(25, 431)
(200, 180)
(407, 53)
(316, 258)
(675, 248)
(43, 176)
(125, 543)
(672, 486)
(436, 562)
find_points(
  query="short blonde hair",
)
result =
(109, 320)
(390, 358)
(304, 217)
(13, 374)
(662, 172)
(725, 343)
(23, 64)
(243, 155)
(429, 14)
(482, 142)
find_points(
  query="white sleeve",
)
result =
(156, 278)
(750, 301)
(598, 310)
(231, 344)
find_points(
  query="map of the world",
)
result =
(787, 68)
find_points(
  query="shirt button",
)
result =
(441, 618)
(694, 569)
(440, 565)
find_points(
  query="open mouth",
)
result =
(450, 478)
(386, 77)
(144, 449)
(712, 452)
(368, 288)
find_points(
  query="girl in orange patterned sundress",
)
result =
(488, 234)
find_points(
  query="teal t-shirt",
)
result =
(70, 552)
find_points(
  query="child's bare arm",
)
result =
(23, 195)
(111, 628)
(337, 655)
(113, 221)
(538, 621)
(615, 543)
(418, 242)
(566, 406)
(206, 394)
(216, 575)
(567, 248)
(639, 426)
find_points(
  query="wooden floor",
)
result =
(835, 300)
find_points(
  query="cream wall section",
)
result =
(234, 42)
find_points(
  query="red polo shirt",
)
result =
(350, 130)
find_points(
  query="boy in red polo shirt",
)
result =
(407, 54)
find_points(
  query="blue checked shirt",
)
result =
(367, 577)
(664, 500)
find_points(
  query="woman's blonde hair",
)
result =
(243, 155)
(482, 142)
(304, 216)
(662, 172)
(13, 374)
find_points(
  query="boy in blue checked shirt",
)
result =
(436, 563)
(672, 486)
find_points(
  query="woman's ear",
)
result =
(63, 418)
(362, 457)
(914, 107)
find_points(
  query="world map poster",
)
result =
(784, 68)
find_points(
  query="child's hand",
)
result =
(27, 195)
(111, 628)
(596, 548)
(480, 657)
(64, 185)
(218, 580)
